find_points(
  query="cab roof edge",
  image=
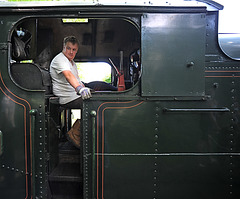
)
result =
(209, 4)
(212, 3)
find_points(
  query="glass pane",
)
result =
(94, 71)
(229, 28)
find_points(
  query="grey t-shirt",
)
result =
(61, 87)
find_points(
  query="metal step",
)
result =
(65, 180)
(69, 153)
(68, 148)
(66, 172)
(66, 197)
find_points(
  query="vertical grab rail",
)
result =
(33, 114)
(93, 116)
(1, 143)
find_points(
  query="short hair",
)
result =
(71, 39)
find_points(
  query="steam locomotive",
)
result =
(170, 131)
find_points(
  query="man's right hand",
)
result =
(85, 93)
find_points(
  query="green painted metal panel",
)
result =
(17, 168)
(114, 139)
(140, 151)
(172, 57)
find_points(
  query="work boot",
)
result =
(73, 135)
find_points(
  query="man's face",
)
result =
(70, 50)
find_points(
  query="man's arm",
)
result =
(72, 79)
(78, 86)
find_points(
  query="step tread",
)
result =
(66, 172)
(68, 148)
(66, 197)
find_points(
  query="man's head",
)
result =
(70, 47)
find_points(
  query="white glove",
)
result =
(85, 93)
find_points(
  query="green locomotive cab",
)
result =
(170, 128)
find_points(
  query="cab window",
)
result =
(229, 28)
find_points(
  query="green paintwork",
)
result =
(15, 103)
(150, 156)
(173, 55)
(132, 146)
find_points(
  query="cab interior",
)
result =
(114, 41)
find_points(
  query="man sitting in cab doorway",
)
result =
(67, 84)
